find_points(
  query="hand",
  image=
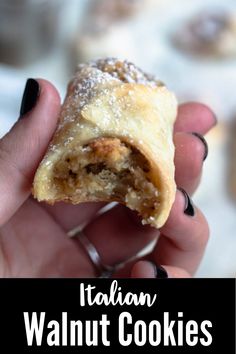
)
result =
(33, 236)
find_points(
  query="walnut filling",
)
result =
(107, 169)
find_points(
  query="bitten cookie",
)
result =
(113, 142)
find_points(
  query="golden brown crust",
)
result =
(117, 133)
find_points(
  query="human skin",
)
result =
(33, 236)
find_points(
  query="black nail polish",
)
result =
(189, 208)
(203, 140)
(30, 96)
(159, 271)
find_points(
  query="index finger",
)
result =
(23, 147)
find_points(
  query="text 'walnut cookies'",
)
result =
(113, 142)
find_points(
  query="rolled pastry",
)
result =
(113, 142)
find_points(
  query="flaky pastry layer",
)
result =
(113, 142)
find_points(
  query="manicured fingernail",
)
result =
(30, 96)
(203, 140)
(159, 271)
(188, 208)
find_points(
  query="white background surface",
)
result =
(211, 82)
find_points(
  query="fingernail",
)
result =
(159, 271)
(203, 140)
(188, 208)
(30, 96)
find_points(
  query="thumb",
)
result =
(23, 147)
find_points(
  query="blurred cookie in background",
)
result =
(115, 41)
(210, 33)
(28, 30)
(118, 10)
(112, 10)
(107, 29)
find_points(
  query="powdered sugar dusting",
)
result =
(86, 83)
(97, 77)
(124, 71)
